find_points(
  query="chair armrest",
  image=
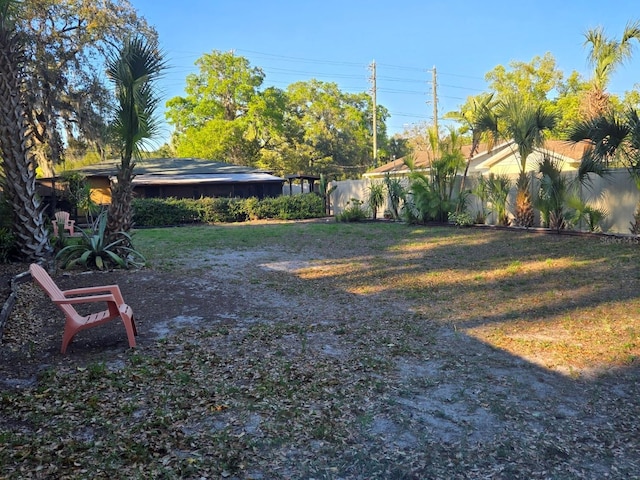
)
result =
(114, 290)
(87, 299)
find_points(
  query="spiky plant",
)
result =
(18, 164)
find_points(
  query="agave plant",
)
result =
(93, 251)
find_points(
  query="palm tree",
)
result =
(18, 163)
(133, 70)
(526, 125)
(613, 136)
(483, 124)
(605, 55)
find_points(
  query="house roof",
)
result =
(200, 178)
(568, 152)
(169, 166)
(571, 152)
(422, 161)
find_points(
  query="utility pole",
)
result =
(435, 100)
(375, 120)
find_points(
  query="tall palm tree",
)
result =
(483, 124)
(605, 55)
(526, 125)
(133, 70)
(614, 136)
(18, 164)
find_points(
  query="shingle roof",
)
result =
(169, 166)
(422, 159)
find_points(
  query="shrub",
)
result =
(353, 212)
(157, 212)
(7, 244)
(461, 219)
(153, 212)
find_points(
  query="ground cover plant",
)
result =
(337, 350)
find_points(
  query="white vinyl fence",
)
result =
(616, 193)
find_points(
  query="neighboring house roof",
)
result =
(501, 157)
(182, 171)
(507, 160)
(422, 161)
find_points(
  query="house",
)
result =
(182, 178)
(501, 159)
(505, 158)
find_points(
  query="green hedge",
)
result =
(156, 212)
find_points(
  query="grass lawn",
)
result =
(374, 350)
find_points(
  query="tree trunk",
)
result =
(120, 216)
(18, 163)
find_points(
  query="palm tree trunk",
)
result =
(18, 163)
(120, 215)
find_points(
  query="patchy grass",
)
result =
(360, 351)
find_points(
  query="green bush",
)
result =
(298, 207)
(158, 212)
(353, 212)
(461, 219)
(153, 212)
(222, 210)
(7, 244)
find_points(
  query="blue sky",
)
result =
(336, 41)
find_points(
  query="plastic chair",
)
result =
(62, 217)
(116, 308)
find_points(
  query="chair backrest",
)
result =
(62, 217)
(43, 279)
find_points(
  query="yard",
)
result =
(337, 351)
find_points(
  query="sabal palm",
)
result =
(613, 136)
(133, 70)
(18, 164)
(605, 55)
(483, 124)
(526, 125)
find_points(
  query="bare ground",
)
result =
(306, 380)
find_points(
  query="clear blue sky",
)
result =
(336, 40)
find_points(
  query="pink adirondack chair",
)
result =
(63, 219)
(116, 308)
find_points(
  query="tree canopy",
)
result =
(67, 43)
(310, 127)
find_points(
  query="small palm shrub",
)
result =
(481, 191)
(92, 250)
(397, 195)
(376, 197)
(498, 191)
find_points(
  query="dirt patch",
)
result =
(298, 378)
